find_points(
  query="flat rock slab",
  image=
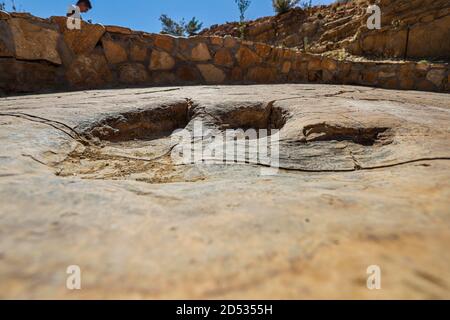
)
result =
(364, 180)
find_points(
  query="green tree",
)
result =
(193, 27)
(181, 28)
(243, 6)
(170, 26)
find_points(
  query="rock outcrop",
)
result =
(410, 29)
(89, 179)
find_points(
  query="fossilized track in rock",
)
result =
(147, 124)
(137, 144)
(367, 136)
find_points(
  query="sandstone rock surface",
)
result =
(211, 73)
(161, 60)
(364, 180)
(34, 41)
(6, 43)
(115, 53)
(200, 53)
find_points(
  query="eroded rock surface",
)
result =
(87, 179)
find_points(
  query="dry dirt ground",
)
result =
(88, 179)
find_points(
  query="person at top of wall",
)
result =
(82, 6)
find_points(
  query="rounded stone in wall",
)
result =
(164, 77)
(200, 52)
(187, 73)
(133, 73)
(89, 71)
(211, 74)
(224, 58)
(247, 57)
(138, 52)
(164, 42)
(161, 60)
(229, 42)
(114, 51)
(262, 75)
(436, 76)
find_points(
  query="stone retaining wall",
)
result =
(43, 55)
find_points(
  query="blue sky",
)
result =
(143, 14)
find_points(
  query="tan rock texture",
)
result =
(114, 51)
(6, 42)
(164, 42)
(364, 180)
(246, 57)
(138, 52)
(211, 74)
(34, 40)
(161, 60)
(118, 29)
(223, 57)
(200, 52)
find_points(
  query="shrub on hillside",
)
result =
(243, 6)
(282, 6)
